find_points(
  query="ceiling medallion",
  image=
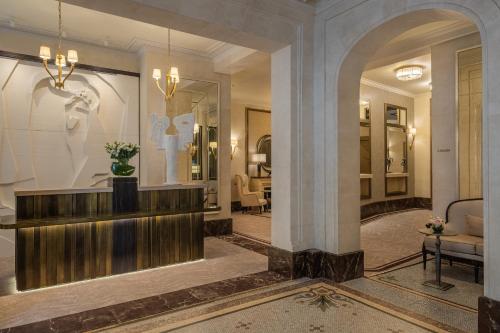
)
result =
(408, 73)
(60, 60)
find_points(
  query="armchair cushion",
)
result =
(474, 225)
(459, 243)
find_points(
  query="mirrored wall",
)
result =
(202, 165)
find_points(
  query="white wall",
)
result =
(422, 145)
(444, 121)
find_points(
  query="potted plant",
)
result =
(436, 224)
(122, 152)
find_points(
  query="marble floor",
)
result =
(387, 240)
(231, 291)
(223, 261)
(393, 238)
(255, 226)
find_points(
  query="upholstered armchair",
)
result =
(247, 198)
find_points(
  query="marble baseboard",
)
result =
(220, 227)
(489, 315)
(389, 206)
(316, 264)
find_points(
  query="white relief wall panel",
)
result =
(54, 138)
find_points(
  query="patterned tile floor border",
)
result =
(310, 306)
(465, 292)
(247, 243)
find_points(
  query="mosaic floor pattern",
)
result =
(309, 306)
(465, 291)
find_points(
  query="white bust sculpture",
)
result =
(182, 126)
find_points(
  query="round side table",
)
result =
(437, 283)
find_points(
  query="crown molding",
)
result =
(385, 87)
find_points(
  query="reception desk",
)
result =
(72, 235)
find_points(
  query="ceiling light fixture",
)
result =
(408, 73)
(172, 77)
(60, 60)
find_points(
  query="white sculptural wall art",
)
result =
(182, 136)
(53, 138)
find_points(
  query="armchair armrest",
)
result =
(250, 199)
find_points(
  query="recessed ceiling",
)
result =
(386, 75)
(84, 25)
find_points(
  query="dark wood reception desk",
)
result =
(74, 235)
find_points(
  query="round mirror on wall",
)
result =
(264, 147)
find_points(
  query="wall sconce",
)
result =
(412, 132)
(212, 147)
(234, 145)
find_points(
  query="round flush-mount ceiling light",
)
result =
(408, 73)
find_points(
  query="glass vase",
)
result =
(122, 168)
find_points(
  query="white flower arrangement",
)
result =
(122, 150)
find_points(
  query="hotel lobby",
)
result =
(137, 146)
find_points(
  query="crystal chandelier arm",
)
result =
(68, 75)
(45, 64)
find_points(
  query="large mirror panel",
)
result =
(396, 147)
(203, 164)
(365, 150)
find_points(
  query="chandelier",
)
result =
(408, 73)
(60, 60)
(172, 77)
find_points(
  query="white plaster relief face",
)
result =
(56, 137)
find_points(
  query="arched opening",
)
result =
(446, 154)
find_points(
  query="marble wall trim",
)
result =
(317, 264)
(389, 206)
(219, 227)
(489, 315)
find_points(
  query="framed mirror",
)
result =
(365, 159)
(258, 143)
(365, 167)
(264, 148)
(396, 150)
(202, 166)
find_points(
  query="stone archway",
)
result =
(347, 48)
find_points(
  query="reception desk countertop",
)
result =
(104, 189)
(10, 221)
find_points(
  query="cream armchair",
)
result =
(247, 198)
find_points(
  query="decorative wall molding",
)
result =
(386, 87)
(28, 57)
